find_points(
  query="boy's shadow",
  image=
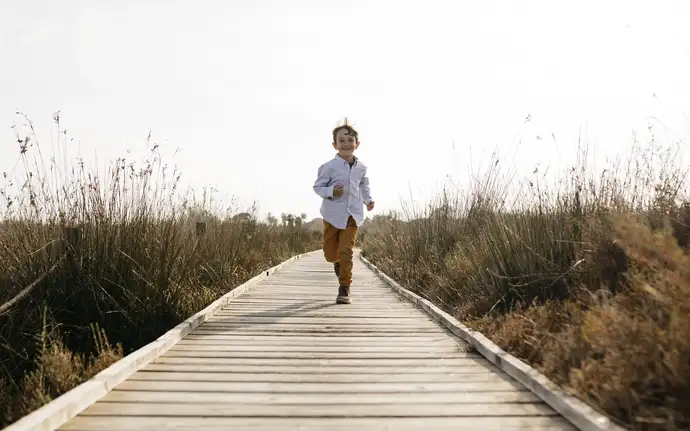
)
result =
(241, 321)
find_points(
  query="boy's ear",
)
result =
(356, 144)
(334, 145)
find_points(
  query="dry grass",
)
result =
(589, 282)
(138, 268)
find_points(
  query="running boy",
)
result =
(344, 186)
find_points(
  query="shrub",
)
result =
(589, 281)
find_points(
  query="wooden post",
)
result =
(200, 228)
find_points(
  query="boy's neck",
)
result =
(348, 159)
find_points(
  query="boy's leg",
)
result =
(346, 244)
(330, 243)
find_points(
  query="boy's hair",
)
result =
(350, 130)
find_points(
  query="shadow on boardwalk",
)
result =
(240, 321)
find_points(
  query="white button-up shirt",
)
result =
(356, 192)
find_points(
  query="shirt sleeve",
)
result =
(365, 189)
(321, 186)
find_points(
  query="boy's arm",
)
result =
(321, 186)
(365, 189)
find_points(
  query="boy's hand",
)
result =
(338, 191)
(370, 206)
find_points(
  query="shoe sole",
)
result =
(343, 300)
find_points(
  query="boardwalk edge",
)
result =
(577, 412)
(59, 411)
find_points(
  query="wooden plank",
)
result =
(328, 304)
(257, 332)
(319, 287)
(270, 344)
(469, 368)
(327, 286)
(259, 354)
(336, 362)
(317, 410)
(230, 324)
(315, 326)
(299, 320)
(320, 388)
(325, 342)
(289, 348)
(324, 283)
(366, 298)
(339, 315)
(336, 378)
(359, 276)
(270, 399)
(280, 301)
(330, 333)
(486, 423)
(193, 337)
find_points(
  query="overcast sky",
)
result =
(249, 91)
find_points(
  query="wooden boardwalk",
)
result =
(285, 356)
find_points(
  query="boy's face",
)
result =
(345, 144)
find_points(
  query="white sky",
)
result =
(250, 90)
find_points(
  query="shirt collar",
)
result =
(354, 159)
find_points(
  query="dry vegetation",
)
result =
(589, 281)
(136, 268)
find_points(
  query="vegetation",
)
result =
(93, 267)
(587, 281)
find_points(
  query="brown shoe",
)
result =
(343, 295)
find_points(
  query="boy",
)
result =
(344, 186)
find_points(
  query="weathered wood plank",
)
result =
(292, 349)
(317, 410)
(345, 363)
(322, 321)
(193, 337)
(325, 343)
(334, 342)
(258, 354)
(321, 312)
(324, 329)
(338, 378)
(470, 368)
(329, 333)
(451, 385)
(315, 399)
(317, 343)
(486, 423)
